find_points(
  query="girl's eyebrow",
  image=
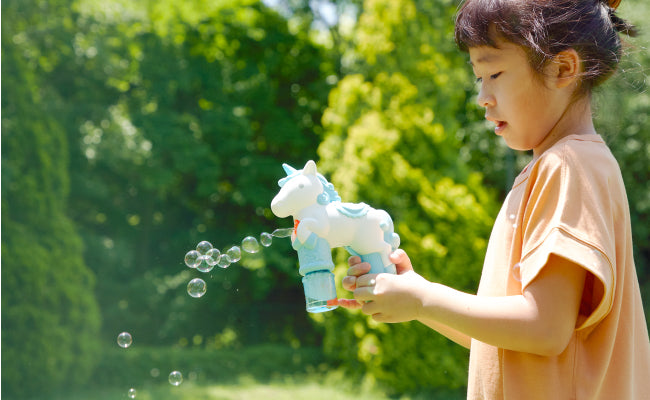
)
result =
(485, 58)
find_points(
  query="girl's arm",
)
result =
(540, 321)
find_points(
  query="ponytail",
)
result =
(619, 23)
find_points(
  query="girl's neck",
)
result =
(576, 120)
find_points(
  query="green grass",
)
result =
(315, 386)
(256, 372)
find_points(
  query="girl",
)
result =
(558, 313)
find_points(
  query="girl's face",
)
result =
(525, 107)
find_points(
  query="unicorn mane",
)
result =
(329, 193)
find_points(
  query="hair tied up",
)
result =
(613, 4)
(619, 23)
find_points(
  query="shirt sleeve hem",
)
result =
(565, 245)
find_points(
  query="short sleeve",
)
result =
(569, 211)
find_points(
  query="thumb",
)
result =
(401, 260)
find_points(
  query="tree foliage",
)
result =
(50, 318)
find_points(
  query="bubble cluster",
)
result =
(175, 378)
(124, 339)
(196, 287)
(205, 256)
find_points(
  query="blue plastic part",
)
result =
(320, 291)
(314, 254)
(375, 261)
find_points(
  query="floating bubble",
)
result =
(250, 245)
(205, 264)
(131, 393)
(175, 378)
(224, 261)
(203, 247)
(234, 254)
(266, 239)
(124, 339)
(213, 256)
(196, 287)
(192, 258)
(282, 233)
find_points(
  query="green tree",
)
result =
(179, 117)
(390, 141)
(50, 319)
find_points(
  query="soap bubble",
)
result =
(282, 233)
(192, 258)
(196, 287)
(131, 393)
(234, 254)
(250, 245)
(213, 256)
(203, 247)
(206, 263)
(224, 261)
(266, 239)
(124, 339)
(175, 378)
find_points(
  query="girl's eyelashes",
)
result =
(493, 76)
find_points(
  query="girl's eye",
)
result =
(493, 76)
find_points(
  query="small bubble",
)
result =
(175, 378)
(266, 239)
(224, 261)
(155, 372)
(196, 287)
(203, 247)
(234, 254)
(192, 258)
(124, 339)
(282, 233)
(250, 245)
(205, 264)
(131, 393)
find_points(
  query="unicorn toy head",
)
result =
(321, 222)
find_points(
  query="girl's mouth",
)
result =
(500, 126)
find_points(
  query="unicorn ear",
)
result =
(310, 168)
(288, 169)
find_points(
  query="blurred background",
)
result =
(132, 130)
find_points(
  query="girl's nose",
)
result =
(485, 99)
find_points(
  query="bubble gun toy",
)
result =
(323, 222)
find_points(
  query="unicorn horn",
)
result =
(288, 169)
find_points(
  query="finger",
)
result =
(349, 282)
(401, 260)
(363, 294)
(370, 308)
(350, 304)
(359, 269)
(367, 280)
(353, 260)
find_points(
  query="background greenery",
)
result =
(133, 130)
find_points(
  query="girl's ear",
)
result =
(566, 68)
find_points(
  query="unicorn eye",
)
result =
(301, 186)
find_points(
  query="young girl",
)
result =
(558, 313)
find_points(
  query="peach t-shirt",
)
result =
(571, 202)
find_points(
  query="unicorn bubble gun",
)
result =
(323, 222)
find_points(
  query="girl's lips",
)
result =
(500, 126)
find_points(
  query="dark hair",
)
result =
(546, 27)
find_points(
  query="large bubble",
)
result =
(196, 287)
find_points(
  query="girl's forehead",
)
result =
(504, 51)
